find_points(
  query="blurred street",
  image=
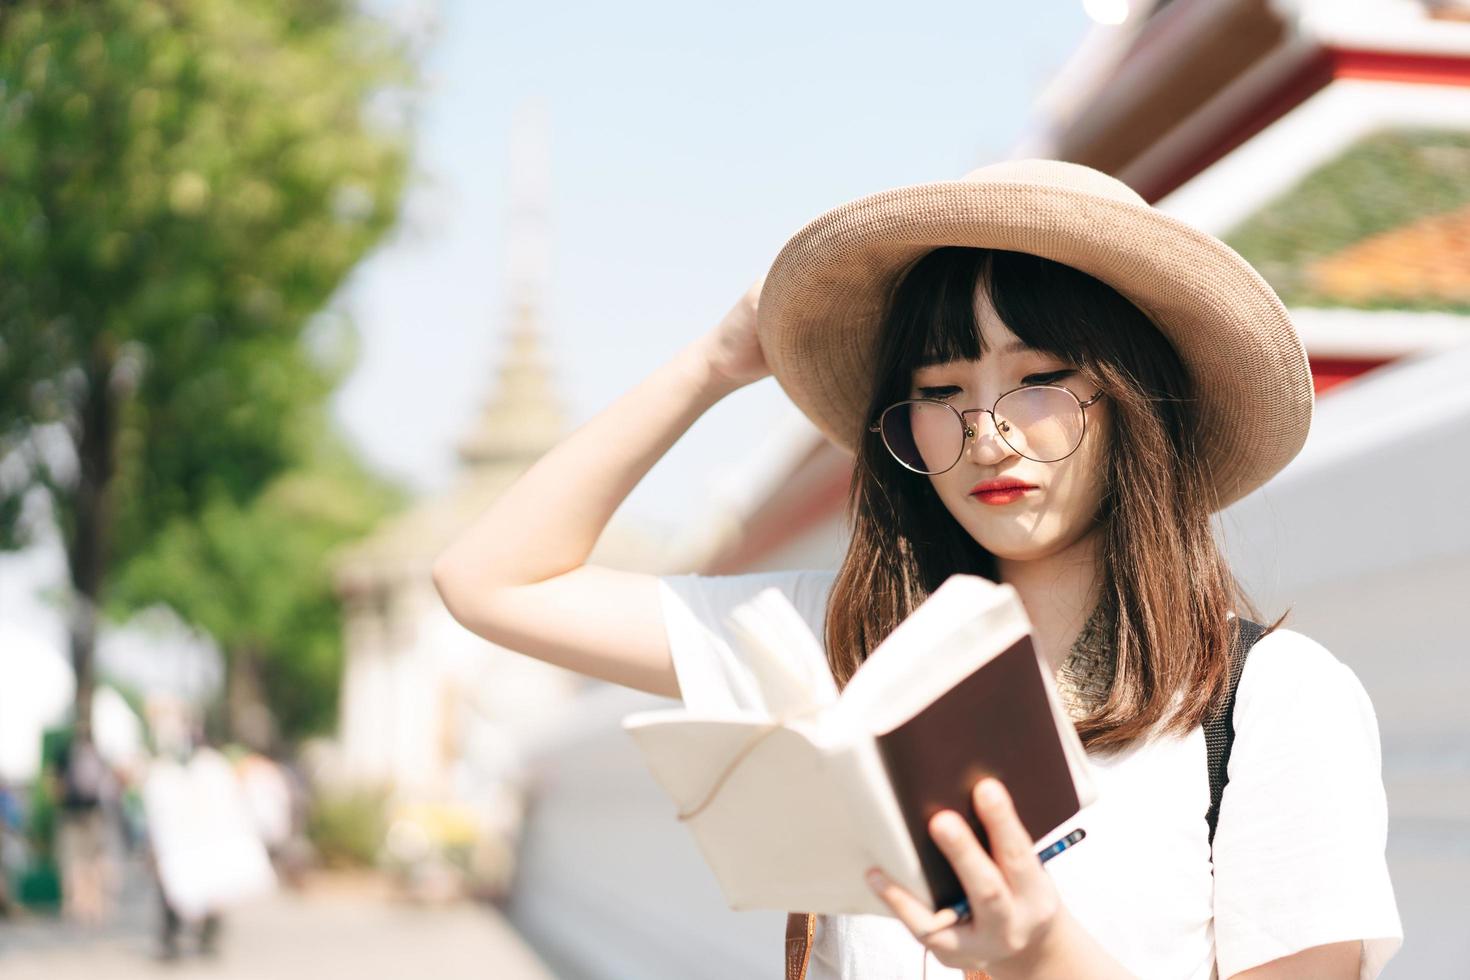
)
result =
(336, 927)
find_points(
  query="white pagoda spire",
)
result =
(522, 419)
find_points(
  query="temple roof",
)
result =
(1383, 225)
(522, 417)
(521, 420)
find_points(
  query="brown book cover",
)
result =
(996, 722)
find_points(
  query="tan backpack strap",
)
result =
(800, 926)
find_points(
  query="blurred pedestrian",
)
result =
(12, 824)
(207, 854)
(267, 797)
(88, 797)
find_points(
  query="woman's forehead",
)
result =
(995, 334)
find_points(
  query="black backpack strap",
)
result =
(1220, 728)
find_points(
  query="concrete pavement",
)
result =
(327, 931)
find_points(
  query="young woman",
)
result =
(1046, 382)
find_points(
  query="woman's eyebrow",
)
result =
(1012, 347)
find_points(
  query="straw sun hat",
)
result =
(823, 300)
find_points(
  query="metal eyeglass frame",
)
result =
(970, 431)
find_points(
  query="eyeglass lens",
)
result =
(1040, 423)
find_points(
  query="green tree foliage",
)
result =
(257, 577)
(182, 185)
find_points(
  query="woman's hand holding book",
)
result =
(1017, 925)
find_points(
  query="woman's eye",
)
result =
(942, 392)
(1050, 377)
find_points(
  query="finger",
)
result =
(1010, 843)
(928, 926)
(985, 886)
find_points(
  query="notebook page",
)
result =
(962, 625)
(779, 833)
(785, 657)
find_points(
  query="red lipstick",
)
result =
(1000, 491)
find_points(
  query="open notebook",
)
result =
(791, 808)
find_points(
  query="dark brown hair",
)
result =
(1163, 583)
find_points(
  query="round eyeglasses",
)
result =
(1041, 422)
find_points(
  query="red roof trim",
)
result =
(1400, 66)
(1329, 372)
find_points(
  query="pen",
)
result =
(962, 907)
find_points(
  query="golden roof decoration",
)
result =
(522, 419)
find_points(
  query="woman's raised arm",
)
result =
(518, 575)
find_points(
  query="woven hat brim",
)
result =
(823, 299)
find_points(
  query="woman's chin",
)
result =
(1021, 546)
(1013, 540)
(1016, 554)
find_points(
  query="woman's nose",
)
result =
(986, 446)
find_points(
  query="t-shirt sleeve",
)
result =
(713, 674)
(1299, 847)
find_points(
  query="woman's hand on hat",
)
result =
(1018, 925)
(732, 350)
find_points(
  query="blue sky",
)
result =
(687, 143)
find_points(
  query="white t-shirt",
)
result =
(1299, 847)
